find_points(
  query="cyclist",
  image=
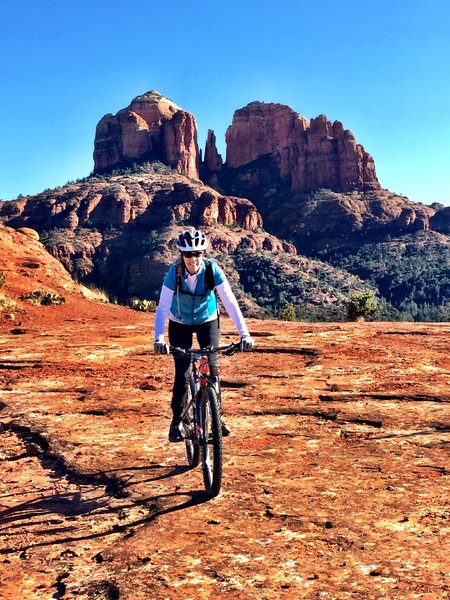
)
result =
(190, 302)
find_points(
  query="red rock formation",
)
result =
(31, 233)
(441, 220)
(213, 160)
(134, 200)
(259, 129)
(306, 154)
(180, 144)
(413, 218)
(29, 267)
(83, 217)
(152, 126)
(310, 154)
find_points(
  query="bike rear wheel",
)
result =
(189, 423)
(211, 440)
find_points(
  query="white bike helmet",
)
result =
(192, 240)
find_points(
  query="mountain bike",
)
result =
(202, 423)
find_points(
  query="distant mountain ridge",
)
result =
(274, 156)
(308, 183)
(119, 230)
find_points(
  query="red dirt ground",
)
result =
(336, 474)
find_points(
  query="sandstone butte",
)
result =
(336, 475)
(309, 154)
(151, 126)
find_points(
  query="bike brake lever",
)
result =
(178, 351)
(230, 350)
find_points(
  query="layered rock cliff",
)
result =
(145, 200)
(152, 128)
(110, 229)
(306, 154)
(276, 157)
(311, 181)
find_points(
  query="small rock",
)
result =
(148, 386)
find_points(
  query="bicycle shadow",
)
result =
(83, 506)
(65, 505)
(157, 505)
(171, 472)
(64, 518)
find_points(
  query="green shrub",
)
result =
(287, 313)
(2, 278)
(42, 298)
(142, 305)
(363, 305)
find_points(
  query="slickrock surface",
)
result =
(336, 475)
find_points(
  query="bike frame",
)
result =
(201, 411)
(201, 378)
(200, 365)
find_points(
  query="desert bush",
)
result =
(287, 313)
(2, 278)
(43, 298)
(142, 305)
(95, 294)
(363, 305)
(7, 305)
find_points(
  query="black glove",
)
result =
(161, 348)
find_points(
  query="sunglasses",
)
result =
(192, 254)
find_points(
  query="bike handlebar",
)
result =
(228, 350)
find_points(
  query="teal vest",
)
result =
(193, 308)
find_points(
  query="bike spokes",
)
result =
(211, 441)
(189, 424)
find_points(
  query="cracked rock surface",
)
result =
(336, 474)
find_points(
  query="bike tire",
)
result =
(189, 424)
(211, 440)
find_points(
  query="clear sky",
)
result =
(381, 68)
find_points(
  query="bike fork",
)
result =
(198, 413)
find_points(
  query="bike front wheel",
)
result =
(211, 440)
(189, 424)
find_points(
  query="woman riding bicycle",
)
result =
(188, 298)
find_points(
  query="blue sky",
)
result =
(381, 68)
